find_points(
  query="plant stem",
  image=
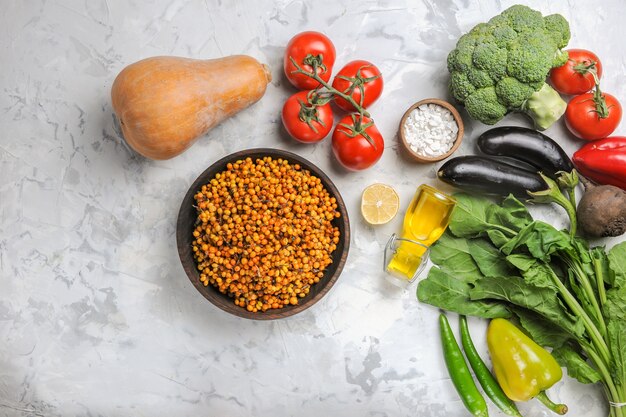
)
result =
(599, 280)
(557, 408)
(584, 281)
(511, 233)
(571, 213)
(590, 327)
(612, 392)
(571, 193)
(553, 194)
(569, 181)
(329, 87)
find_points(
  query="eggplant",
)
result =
(527, 145)
(490, 176)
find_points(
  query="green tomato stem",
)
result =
(329, 87)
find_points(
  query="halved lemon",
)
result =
(379, 203)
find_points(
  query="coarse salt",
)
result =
(430, 130)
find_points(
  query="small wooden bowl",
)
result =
(457, 119)
(186, 222)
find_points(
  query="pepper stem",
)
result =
(557, 408)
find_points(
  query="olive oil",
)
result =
(425, 221)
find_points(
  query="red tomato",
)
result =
(298, 109)
(361, 80)
(590, 119)
(575, 77)
(307, 49)
(357, 143)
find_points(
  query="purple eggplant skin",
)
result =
(490, 176)
(526, 145)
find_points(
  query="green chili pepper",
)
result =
(483, 375)
(459, 371)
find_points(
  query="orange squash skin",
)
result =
(164, 104)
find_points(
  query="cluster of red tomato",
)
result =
(308, 115)
(589, 115)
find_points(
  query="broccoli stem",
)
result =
(544, 106)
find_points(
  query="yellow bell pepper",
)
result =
(523, 369)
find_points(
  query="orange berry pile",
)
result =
(264, 234)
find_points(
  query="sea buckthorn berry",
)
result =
(264, 233)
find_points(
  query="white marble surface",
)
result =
(96, 315)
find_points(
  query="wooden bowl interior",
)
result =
(457, 141)
(185, 226)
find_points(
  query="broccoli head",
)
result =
(501, 66)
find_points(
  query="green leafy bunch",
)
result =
(497, 261)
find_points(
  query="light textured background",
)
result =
(96, 314)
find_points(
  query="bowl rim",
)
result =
(457, 141)
(189, 264)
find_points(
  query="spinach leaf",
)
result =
(489, 259)
(617, 262)
(539, 329)
(444, 290)
(615, 306)
(540, 239)
(511, 213)
(616, 331)
(452, 254)
(470, 217)
(534, 272)
(577, 366)
(601, 261)
(498, 238)
(580, 250)
(543, 301)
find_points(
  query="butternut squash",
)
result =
(164, 104)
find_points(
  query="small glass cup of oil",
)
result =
(425, 221)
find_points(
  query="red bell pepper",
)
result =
(603, 161)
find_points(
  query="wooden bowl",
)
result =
(185, 226)
(459, 137)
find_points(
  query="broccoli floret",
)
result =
(466, 41)
(504, 36)
(560, 58)
(558, 28)
(479, 78)
(512, 92)
(481, 29)
(483, 105)
(461, 59)
(461, 87)
(499, 21)
(491, 59)
(523, 18)
(504, 63)
(529, 60)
